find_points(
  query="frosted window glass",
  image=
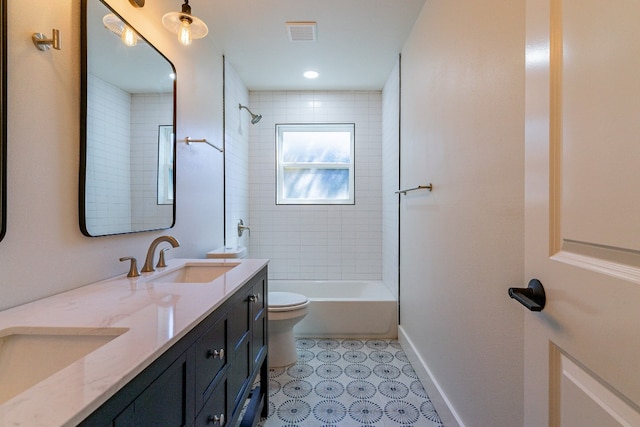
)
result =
(315, 163)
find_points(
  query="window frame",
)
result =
(165, 180)
(282, 128)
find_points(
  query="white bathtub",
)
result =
(344, 309)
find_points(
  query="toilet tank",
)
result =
(227, 252)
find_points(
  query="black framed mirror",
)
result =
(3, 119)
(127, 117)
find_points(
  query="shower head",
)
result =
(255, 118)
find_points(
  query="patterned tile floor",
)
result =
(348, 383)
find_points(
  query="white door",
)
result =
(582, 352)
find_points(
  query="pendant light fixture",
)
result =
(185, 25)
(114, 24)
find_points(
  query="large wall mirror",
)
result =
(127, 175)
(3, 119)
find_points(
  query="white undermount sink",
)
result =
(195, 273)
(29, 355)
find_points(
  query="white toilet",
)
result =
(286, 309)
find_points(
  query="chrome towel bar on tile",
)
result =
(419, 187)
(190, 140)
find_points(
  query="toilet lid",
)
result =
(280, 301)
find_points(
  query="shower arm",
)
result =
(255, 118)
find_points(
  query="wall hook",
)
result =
(43, 43)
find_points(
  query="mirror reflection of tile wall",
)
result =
(148, 112)
(122, 190)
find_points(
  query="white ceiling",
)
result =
(358, 41)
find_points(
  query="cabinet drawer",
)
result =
(213, 413)
(259, 320)
(239, 320)
(258, 298)
(211, 356)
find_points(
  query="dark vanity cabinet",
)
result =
(247, 326)
(217, 372)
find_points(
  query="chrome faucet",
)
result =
(151, 253)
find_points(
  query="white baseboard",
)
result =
(443, 406)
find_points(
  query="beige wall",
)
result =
(43, 252)
(462, 245)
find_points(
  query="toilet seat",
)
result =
(286, 301)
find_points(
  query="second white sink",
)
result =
(28, 355)
(196, 273)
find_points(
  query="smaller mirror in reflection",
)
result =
(128, 142)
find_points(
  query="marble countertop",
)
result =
(155, 316)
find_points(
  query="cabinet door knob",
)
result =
(216, 353)
(254, 298)
(216, 419)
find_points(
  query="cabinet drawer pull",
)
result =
(254, 297)
(216, 419)
(216, 353)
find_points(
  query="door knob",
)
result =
(532, 297)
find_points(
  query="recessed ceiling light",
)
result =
(311, 74)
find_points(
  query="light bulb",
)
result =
(128, 37)
(184, 32)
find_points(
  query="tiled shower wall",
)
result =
(236, 140)
(108, 199)
(317, 242)
(148, 112)
(123, 187)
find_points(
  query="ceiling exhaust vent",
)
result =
(301, 31)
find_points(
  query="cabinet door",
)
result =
(211, 356)
(164, 402)
(259, 320)
(125, 419)
(238, 377)
(238, 320)
(214, 413)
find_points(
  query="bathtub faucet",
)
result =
(148, 263)
(242, 227)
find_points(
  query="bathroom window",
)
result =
(165, 164)
(315, 164)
